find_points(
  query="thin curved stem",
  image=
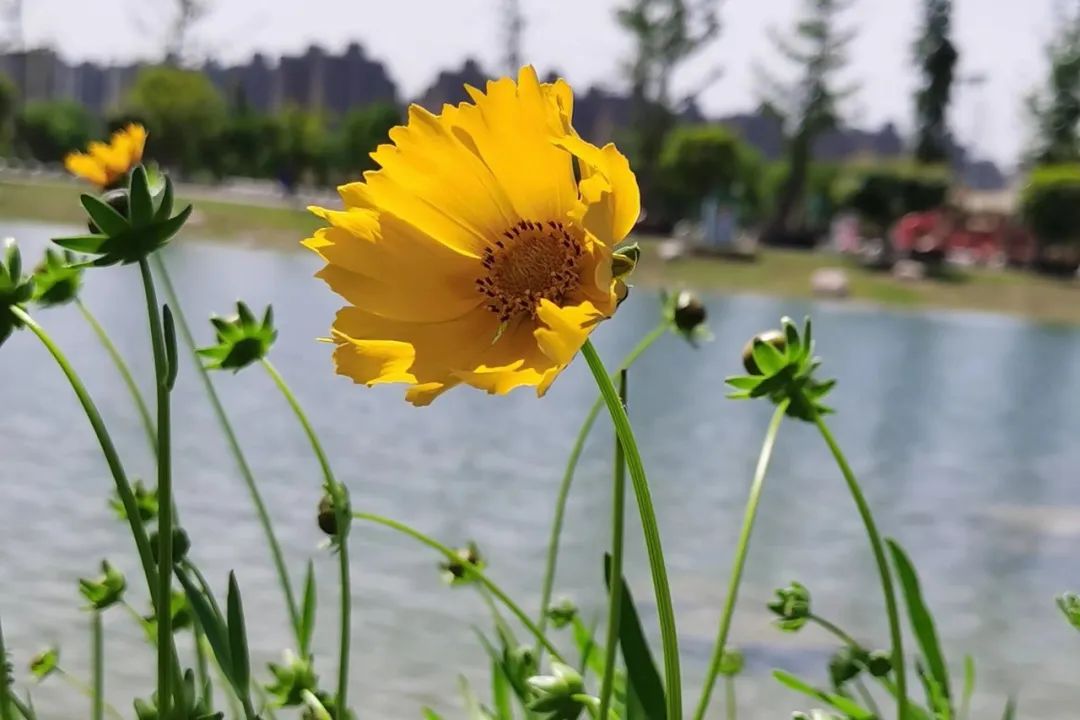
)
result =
(340, 496)
(867, 698)
(882, 564)
(165, 495)
(238, 454)
(650, 530)
(97, 665)
(615, 573)
(125, 373)
(483, 579)
(749, 516)
(568, 478)
(835, 630)
(108, 449)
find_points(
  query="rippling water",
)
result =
(962, 428)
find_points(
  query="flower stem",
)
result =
(202, 668)
(882, 565)
(83, 689)
(452, 556)
(6, 692)
(729, 693)
(125, 373)
(238, 454)
(165, 495)
(835, 630)
(98, 665)
(108, 449)
(568, 479)
(340, 498)
(749, 516)
(615, 585)
(649, 527)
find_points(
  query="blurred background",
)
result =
(906, 172)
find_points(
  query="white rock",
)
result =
(830, 282)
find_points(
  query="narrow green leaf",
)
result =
(104, 215)
(844, 704)
(922, 622)
(430, 714)
(82, 243)
(141, 204)
(500, 692)
(168, 329)
(307, 616)
(238, 646)
(165, 202)
(969, 687)
(473, 710)
(767, 357)
(592, 655)
(1010, 710)
(791, 335)
(157, 234)
(642, 677)
(209, 618)
(743, 382)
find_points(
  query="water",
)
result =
(961, 426)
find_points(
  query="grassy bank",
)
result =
(775, 272)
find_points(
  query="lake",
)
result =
(962, 427)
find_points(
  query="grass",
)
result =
(782, 273)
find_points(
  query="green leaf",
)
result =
(209, 618)
(844, 704)
(743, 382)
(238, 647)
(791, 335)
(969, 686)
(171, 361)
(165, 202)
(592, 655)
(307, 616)
(767, 357)
(1010, 710)
(922, 623)
(82, 243)
(430, 714)
(141, 202)
(104, 215)
(642, 677)
(473, 709)
(500, 691)
(158, 233)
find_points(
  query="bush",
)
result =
(883, 193)
(362, 131)
(697, 161)
(1050, 205)
(8, 99)
(820, 194)
(47, 131)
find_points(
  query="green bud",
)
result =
(181, 543)
(879, 663)
(792, 604)
(771, 337)
(182, 616)
(846, 664)
(117, 199)
(57, 279)
(690, 312)
(562, 613)
(291, 679)
(327, 516)
(557, 696)
(241, 339)
(106, 590)
(459, 570)
(624, 260)
(1069, 603)
(146, 502)
(731, 662)
(15, 289)
(45, 663)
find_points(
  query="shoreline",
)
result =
(277, 224)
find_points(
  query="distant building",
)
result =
(449, 86)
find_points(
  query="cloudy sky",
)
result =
(1002, 40)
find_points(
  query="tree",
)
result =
(48, 130)
(363, 130)
(302, 147)
(183, 113)
(809, 106)
(937, 57)
(9, 97)
(666, 33)
(702, 160)
(1056, 111)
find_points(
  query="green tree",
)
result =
(809, 106)
(47, 130)
(1056, 110)
(9, 97)
(702, 160)
(937, 57)
(363, 130)
(183, 113)
(666, 33)
(302, 148)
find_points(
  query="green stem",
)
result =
(83, 689)
(6, 692)
(202, 668)
(112, 458)
(238, 454)
(474, 571)
(835, 630)
(737, 567)
(729, 693)
(98, 665)
(125, 373)
(615, 573)
(340, 498)
(867, 698)
(649, 528)
(568, 479)
(165, 495)
(882, 565)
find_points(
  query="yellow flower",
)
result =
(105, 163)
(474, 254)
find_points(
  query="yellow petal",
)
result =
(608, 189)
(567, 329)
(86, 167)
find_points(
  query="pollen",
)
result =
(530, 262)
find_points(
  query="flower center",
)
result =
(531, 262)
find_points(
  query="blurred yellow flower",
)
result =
(476, 254)
(104, 164)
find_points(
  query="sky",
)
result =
(1001, 40)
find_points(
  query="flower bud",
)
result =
(15, 289)
(562, 613)
(879, 663)
(845, 665)
(557, 696)
(458, 571)
(181, 543)
(57, 279)
(117, 199)
(731, 662)
(772, 337)
(291, 679)
(1069, 603)
(624, 260)
(45, 663)
(792, 604)
(241, 340)
(327, 516)
(690, 312)
(105, 590)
